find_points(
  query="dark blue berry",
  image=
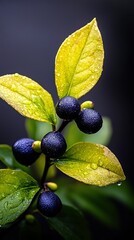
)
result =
(49, 204)
(68, 108)
(53, 144)
(89, 121)
(23, 151)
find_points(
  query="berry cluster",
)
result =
(53, 145)
(88, 120)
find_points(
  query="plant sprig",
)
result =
(78, 67)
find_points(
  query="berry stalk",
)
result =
(63, 125)
(47, 165)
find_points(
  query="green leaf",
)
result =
(27, 97)
(92, 164)
(17, 190)
(122, 192)
(36, 129)
(90, 200)
(103, 136)
(79, 61)
(7, 158)
(70, 224)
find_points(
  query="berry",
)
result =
(89, 121)
(49, 204)
(68, 108)
(53, 144)
(23, 151)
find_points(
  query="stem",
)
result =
(47, 165)
(53, 127)
(63, 125)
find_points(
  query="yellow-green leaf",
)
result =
(27, 97)
(92, 164)
(79, 61)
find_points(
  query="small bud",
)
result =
(52, 186)
(36, 146)
(30, 218)
(87, 104)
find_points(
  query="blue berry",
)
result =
(49, 204)
(89, 121)
(53, 144)
(23, 151)
(68, 108)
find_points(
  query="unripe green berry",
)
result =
(52, 186)
(87, 104)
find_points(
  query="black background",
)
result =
(30, 35)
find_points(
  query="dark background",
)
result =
(30, 35)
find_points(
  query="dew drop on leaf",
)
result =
(2, 195)
(88, 166)
(85, 173)
(94, 166)
(100, 162)
(119, 184)
(6, 205)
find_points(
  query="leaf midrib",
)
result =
(78, 160)
(71, 82)
(21, 189)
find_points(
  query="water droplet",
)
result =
(94, 166)
(95, 28)
(100, 162)
(85, 173)
(2, 195)
(6, 205)
(16, 74)
(88, 166)
(119, 184)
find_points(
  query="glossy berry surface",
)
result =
(53, 144)
(23, 152)
(68, 108)
(49, 204)
(89, 121)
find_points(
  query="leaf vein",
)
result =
(71, 82)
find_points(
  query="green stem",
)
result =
(54, 128)
(47, 165)
(63, 125)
